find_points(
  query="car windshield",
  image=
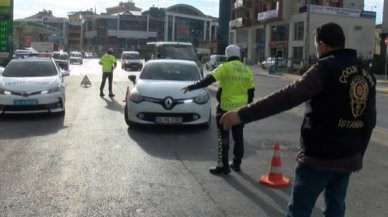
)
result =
(170, 71)
(30, 69)
(177, 52)
(60, 56)
(75, 54)
(131, 56)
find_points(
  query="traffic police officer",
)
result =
(108, 62)
(236, 89)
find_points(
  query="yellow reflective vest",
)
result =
(107, 61)
(235, 78)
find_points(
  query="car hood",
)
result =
(30, 84)
(161, 89)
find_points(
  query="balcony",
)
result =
(244, 4)
(240, 22)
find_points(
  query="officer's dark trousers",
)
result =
(223, 142)
(106, 75)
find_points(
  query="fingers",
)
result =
(184, 89)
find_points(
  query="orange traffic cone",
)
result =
(274, 178)
(126, 95)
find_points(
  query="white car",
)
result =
(157, 98)
(270, 61)
(32, 85)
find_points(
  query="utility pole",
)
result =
(307, 47)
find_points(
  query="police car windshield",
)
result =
(30, 69)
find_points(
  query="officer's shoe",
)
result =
(219, 170)
(235, 166)
(102, 94)
(111, 95)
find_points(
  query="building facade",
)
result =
(41, 27)
(130, 30)
(283, 28)
(123, 27)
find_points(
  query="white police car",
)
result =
(32, 85)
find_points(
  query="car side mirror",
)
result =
(132, 78)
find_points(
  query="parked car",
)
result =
(76, 57)
(215, 61)
(270, 61)
(32, 85)
(157, 99)
(62, 59)
(131, 60)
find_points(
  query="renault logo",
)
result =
(168, 103)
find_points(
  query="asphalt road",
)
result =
(89, 163)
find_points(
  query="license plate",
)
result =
(25, 102)
(169, 120)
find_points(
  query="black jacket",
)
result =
(340, 96)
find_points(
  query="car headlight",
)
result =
(135, 96)
(202, 97)
(4, 92)
(52, 90)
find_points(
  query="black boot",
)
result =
(219, 170)
(102, 94)
(235, 166)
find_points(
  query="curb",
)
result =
(382, 90)
(293, 77)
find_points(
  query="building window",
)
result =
(297, 55)
(279, 32)
(299, 31)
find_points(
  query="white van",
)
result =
(215, 61)
(76, 56)
(131, 60)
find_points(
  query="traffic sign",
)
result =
(386, 40)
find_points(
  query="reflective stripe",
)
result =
(275, 170)
(232, 106)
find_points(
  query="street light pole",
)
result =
(385, 75)
(307, 49)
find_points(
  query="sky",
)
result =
(60, 8)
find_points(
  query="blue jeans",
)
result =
(308, 185)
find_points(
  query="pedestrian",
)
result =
(235, 89)
(108, 62)
(340, 96)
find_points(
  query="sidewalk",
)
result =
(382, 84)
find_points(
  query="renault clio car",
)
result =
(32, 85)
(157, 99)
